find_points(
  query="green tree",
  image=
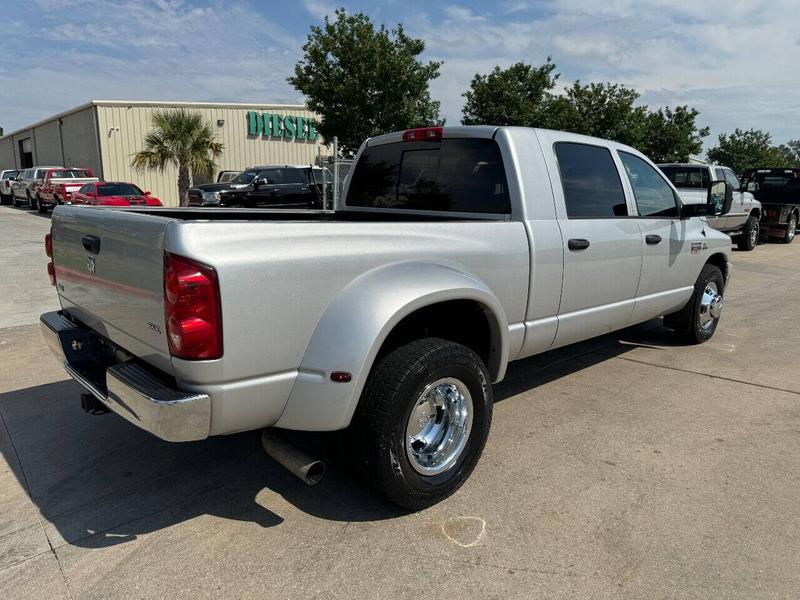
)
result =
(517, 95)
(364, 81)
(751, 149)
(672, 135)
(604, 110)
(183, 139)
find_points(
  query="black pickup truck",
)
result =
(778, 190)
(265, 186)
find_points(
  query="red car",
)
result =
(113, 193)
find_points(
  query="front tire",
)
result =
(748, 239)
(791, 228)
(32, 204)
(422, 421)
(697, 321)
(42, 208)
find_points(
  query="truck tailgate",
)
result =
(109, 274)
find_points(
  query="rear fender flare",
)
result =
(357, 322)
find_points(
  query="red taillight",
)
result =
(423, 134)
(51, 272)
(48, 245)
(192, 309)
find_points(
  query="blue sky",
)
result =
(736, 62)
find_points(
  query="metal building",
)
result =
(104, 135)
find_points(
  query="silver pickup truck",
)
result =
(458, 250)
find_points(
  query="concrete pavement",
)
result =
(626, 467)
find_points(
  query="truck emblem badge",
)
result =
(154, 328)
(91, 267)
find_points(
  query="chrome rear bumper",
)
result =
(126, 387)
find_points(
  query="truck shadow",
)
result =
(99, 481)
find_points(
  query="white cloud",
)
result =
(319, 9)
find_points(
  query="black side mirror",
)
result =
(719, 198)
(258, 182)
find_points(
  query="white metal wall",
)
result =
(123, 126)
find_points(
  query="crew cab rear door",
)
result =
(602, 244)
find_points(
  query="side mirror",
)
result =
(719, 198)
(147, 193)
(259, 181)
(752, 186)
(91, 194)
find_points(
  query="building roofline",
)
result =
(166, 103)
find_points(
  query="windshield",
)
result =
(69, 174)
(119, 189)
(227, 176)
(318, 175)
(687, 177)
(245, 177)
(453, 175)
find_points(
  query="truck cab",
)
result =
(692, 181)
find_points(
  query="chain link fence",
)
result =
(335, 171)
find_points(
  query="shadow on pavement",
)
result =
(100, 481)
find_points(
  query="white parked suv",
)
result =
(692, 181)
(6, 177)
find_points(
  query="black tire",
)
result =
(42, 208)
(32, 205)
(379, 429)
(748, 239)
(14, 201)
(3, 199)
(689, 322)
(791, 229)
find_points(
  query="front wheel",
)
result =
(791, 228)
(748, 239)
(42, 208)
(422, 422)
(697, 321)
(32, 204)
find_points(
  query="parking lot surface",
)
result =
(631, 466)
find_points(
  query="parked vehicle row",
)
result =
(457, 251)
(265, 186)
(43, 188)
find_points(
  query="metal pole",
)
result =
(335, 172)
(324, 182)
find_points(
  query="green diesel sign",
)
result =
(276, 125)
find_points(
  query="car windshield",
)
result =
(687, 177)
(69, 174)
(119, 189)
(318, 175)
(229, 176)
(245, 177)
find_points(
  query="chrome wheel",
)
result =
(710, 306)
(791, 228)
(439, 426)
(754, 234)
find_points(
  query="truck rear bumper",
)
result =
(124, 386)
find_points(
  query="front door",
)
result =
(602, 243)
(667, 241)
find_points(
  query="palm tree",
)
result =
(183, 139)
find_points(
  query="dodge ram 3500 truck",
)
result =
(457, 250)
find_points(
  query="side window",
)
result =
(654, 197)
(731, 179)
(85, 188)
(591, 183)
(719, 174)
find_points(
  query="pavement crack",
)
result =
(721, 377)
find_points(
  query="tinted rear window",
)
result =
(774, 179)
(278, 176)
(9, 174)
(591, 183)
(454, 175)
(69, 174)
(687, 177)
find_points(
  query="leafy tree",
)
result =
(751, 149)
(364, 81)
(183, 139)
(672, 135)
(523, 95)
(514, 96)
(604, 110)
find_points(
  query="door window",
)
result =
(731, 179)
(654, 197)
(591, 183)
(719, 174)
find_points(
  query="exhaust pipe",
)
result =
(309, 469)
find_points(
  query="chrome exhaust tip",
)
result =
(310, 470)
